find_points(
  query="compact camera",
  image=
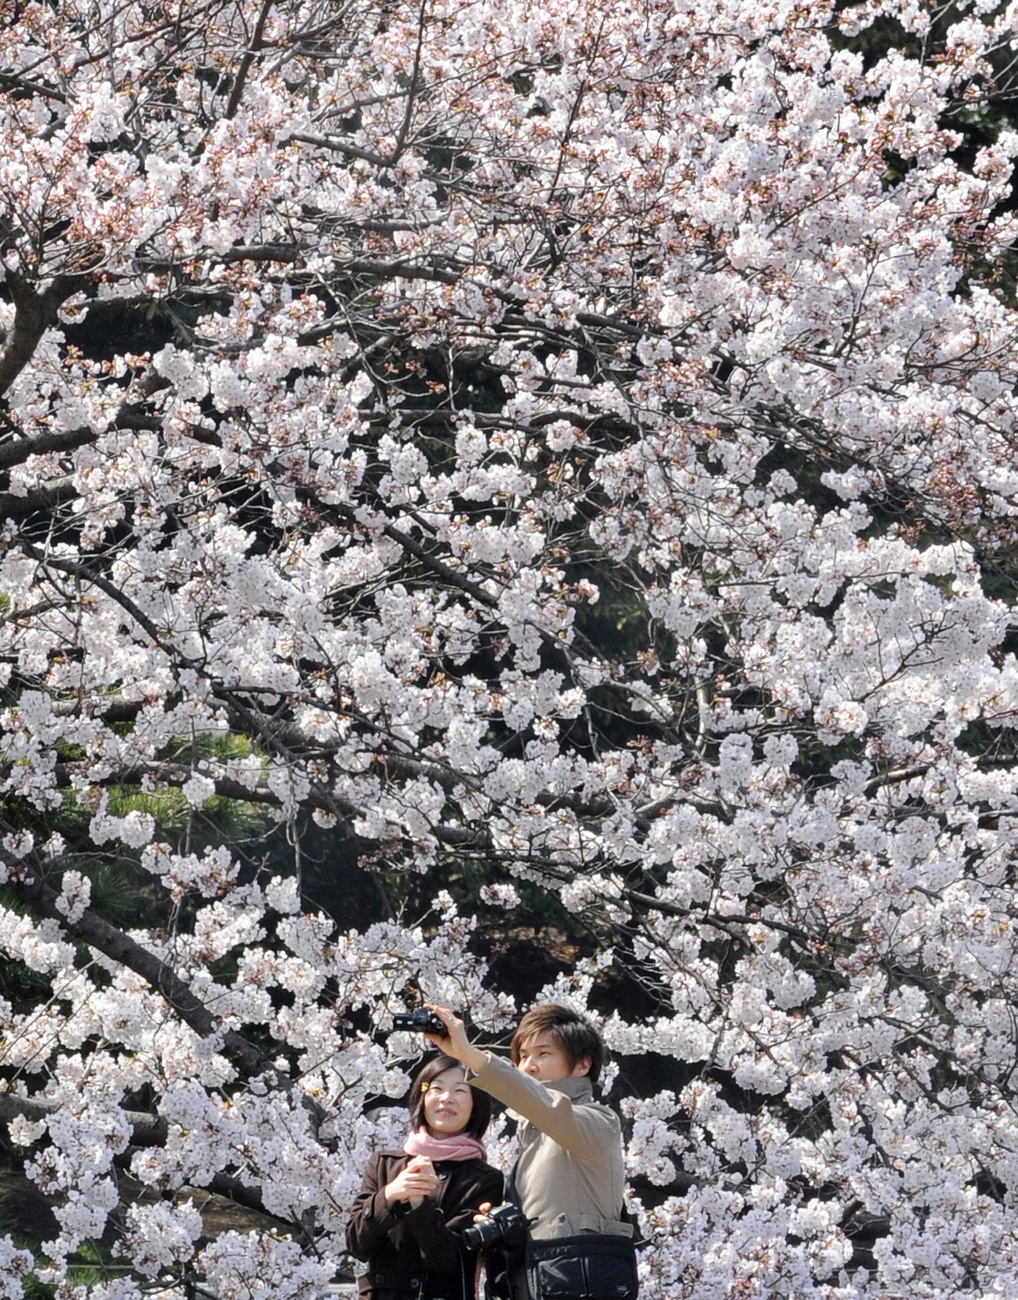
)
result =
(503, 1226)
(420, 1021)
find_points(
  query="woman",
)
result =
(414, 1204)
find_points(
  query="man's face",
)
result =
(543, 1059)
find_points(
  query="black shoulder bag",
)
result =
(587, 1266)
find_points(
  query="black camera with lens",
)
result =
(504, 1226)
(421, 1021)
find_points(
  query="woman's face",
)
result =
(448, 1102)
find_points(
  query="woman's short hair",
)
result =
(480, 1112)
(573, 1033)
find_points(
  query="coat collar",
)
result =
(577, 1087)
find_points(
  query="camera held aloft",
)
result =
(420, 1021)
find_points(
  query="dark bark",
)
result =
(146, 1130)
(120, 947)
(34, 313)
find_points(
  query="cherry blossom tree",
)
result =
(574, 441)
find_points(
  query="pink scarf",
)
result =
(458, 1147)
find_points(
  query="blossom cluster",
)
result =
(576, 443)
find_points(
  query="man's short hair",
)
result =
(573, 1033)
(480, 1114)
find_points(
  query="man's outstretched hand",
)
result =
(455, 1042)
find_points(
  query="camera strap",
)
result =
(500, 1262)
(464, 1293)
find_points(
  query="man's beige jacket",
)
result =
(570, 1176)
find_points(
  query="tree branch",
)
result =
(250, 54)
(38, 499)
(92, 929)
(146, 1130)
(34, 313)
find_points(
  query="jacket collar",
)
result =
(577, 1087)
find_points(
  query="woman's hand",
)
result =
(455, 1042)
(413, 1183)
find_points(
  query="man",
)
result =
(569, 1176)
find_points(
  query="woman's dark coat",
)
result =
(405, 1248)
